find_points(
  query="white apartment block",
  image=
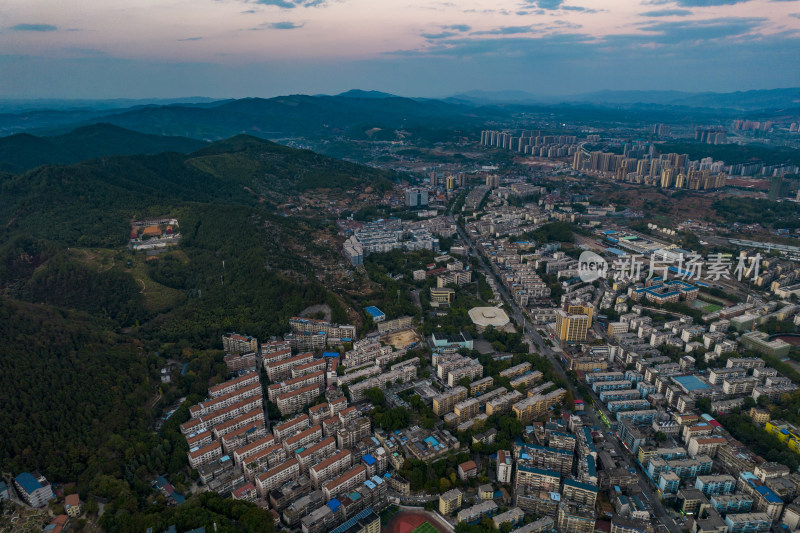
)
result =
(221, 402)
(244, 435)
(201, 438)
(319, 365)
(276, 389)
(345, 482)
(295, 401)
(471, 371)
(271, 347)
(302, 439)
(275, 477)
(705, 446)
(290, 427)
(263, 460)
(205, 454)
(316, 453)
(231, 385)
(329, 468)
(280, 370)
(248, 418)
(253, 448)
(216, 418)
(505, 466)
(403, 374)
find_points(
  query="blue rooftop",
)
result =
(352, 521)
(330, 354)
(541, 471)
(28, 482)
(374, 311)
(578, 484)
(770, 496)
(369, 459)
(690, 383)
(334, 504)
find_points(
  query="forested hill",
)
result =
(85, 315)
(93, 202)
(23, 151)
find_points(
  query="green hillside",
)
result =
(23, 152)
(84, 318)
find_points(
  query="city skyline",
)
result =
(236, 48)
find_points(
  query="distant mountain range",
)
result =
(740, 100)
(284, 116)
(24, 151)
(350, 114)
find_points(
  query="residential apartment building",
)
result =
(352, 432)
(571, 328)
(345, 332)
(481, 385)
(450, 501)
(515, 371)
(505, 466)
(319, 365)
(229, 386)
(537, 405)
(295, 401)
(315, 453)
(290, 427)
(276, 389)
(248, 450)
(401, 372)
(204, 454)
(330, 467)
(575, 518)
(249, 418)
(748, 523)
(282, 369)
(529, 477)
(275, 477)
(33, 489)
(715, 484)
(236, 343)
(218, 417)
(302, 440)
(470, 371)
(466, 409)
(345, 482)
(545, 458)
(244, 435)
(582, 493)
(705, 446)
(263, 460)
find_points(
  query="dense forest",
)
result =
(764, 212)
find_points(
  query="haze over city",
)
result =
(236, 48)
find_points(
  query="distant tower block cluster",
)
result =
(532, 142)
(668, 171)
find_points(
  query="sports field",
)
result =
(425, 528)
(413, 522)
(704, 306)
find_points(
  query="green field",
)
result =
(705, 307)
(425, 527)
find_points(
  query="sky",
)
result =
(237, 48)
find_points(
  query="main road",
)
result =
(533, 338)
